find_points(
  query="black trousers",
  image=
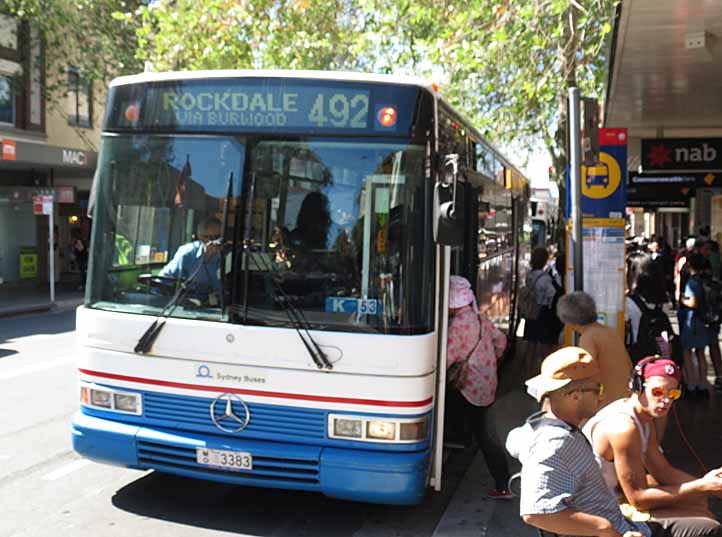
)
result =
(478, 422)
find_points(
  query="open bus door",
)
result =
(463, 261)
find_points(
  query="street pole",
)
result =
(51, 244)
(575, 184)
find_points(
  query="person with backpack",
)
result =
(648, 330)
(537, 305)
(694, 328)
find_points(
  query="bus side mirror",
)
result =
(449, 205)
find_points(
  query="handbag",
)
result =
(457, 372)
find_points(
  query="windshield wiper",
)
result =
(297, 319)
(295, 316)
(148, 338)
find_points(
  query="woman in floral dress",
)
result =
(474, 338)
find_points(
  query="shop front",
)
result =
(30, 173)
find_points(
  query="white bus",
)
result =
(266, 300)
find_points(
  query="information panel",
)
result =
(254, 104)
(603, 204)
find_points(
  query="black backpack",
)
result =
(710, 311)
(653, 324)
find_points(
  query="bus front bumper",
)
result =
(352, 474)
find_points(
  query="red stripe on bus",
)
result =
(299, 396)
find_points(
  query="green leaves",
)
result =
(505, 63)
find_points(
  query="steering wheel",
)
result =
(165, 284)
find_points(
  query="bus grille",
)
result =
(266, 470)
(267, 421)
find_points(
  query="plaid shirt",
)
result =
(560, 473)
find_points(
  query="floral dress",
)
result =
(481, 380)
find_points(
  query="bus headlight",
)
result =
(101, 398)
(348, 428)
(109, 399)
(370, 429)
(126, 402)
(383, 430)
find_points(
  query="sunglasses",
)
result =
(673, 394)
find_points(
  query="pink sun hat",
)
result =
(460, 293)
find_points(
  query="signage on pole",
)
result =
(47, 204)
(37, 205)
(603, 205)
(9, 150)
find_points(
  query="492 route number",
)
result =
(340, 111)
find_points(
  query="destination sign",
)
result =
(262, 104)
(264, 107)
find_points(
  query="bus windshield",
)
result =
(333, 228)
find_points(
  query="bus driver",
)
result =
(205, 284)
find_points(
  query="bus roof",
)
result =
(273, 73)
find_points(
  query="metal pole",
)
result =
(575, 184)
(51, 247)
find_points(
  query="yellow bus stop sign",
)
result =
(602, 180)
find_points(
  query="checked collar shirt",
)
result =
(559, 472)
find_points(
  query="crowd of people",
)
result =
(688, 281)
(592, 462)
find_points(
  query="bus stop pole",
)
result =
(575, 184)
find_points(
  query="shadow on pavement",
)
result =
(243, 510)
(283, 513)
(32, 325)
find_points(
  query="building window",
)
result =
(8, 38)
(79, 99)
(7, 100)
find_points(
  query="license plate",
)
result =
(237, 461)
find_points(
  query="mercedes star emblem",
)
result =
(223, 416)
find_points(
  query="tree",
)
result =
(227, 34)
(514, 62)
(507, 62)
(83, 34)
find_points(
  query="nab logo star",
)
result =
(659, 155)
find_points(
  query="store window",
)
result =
(7, 100)
(79, 99)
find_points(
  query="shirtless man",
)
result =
(578, 311)
(626, 448)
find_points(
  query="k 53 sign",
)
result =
(682, 154)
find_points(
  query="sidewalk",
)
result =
(469, 513)
(30, 298)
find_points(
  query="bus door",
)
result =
(451, 431)
(464, 262)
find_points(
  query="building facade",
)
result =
(49, 147)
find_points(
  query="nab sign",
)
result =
(700, 154)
